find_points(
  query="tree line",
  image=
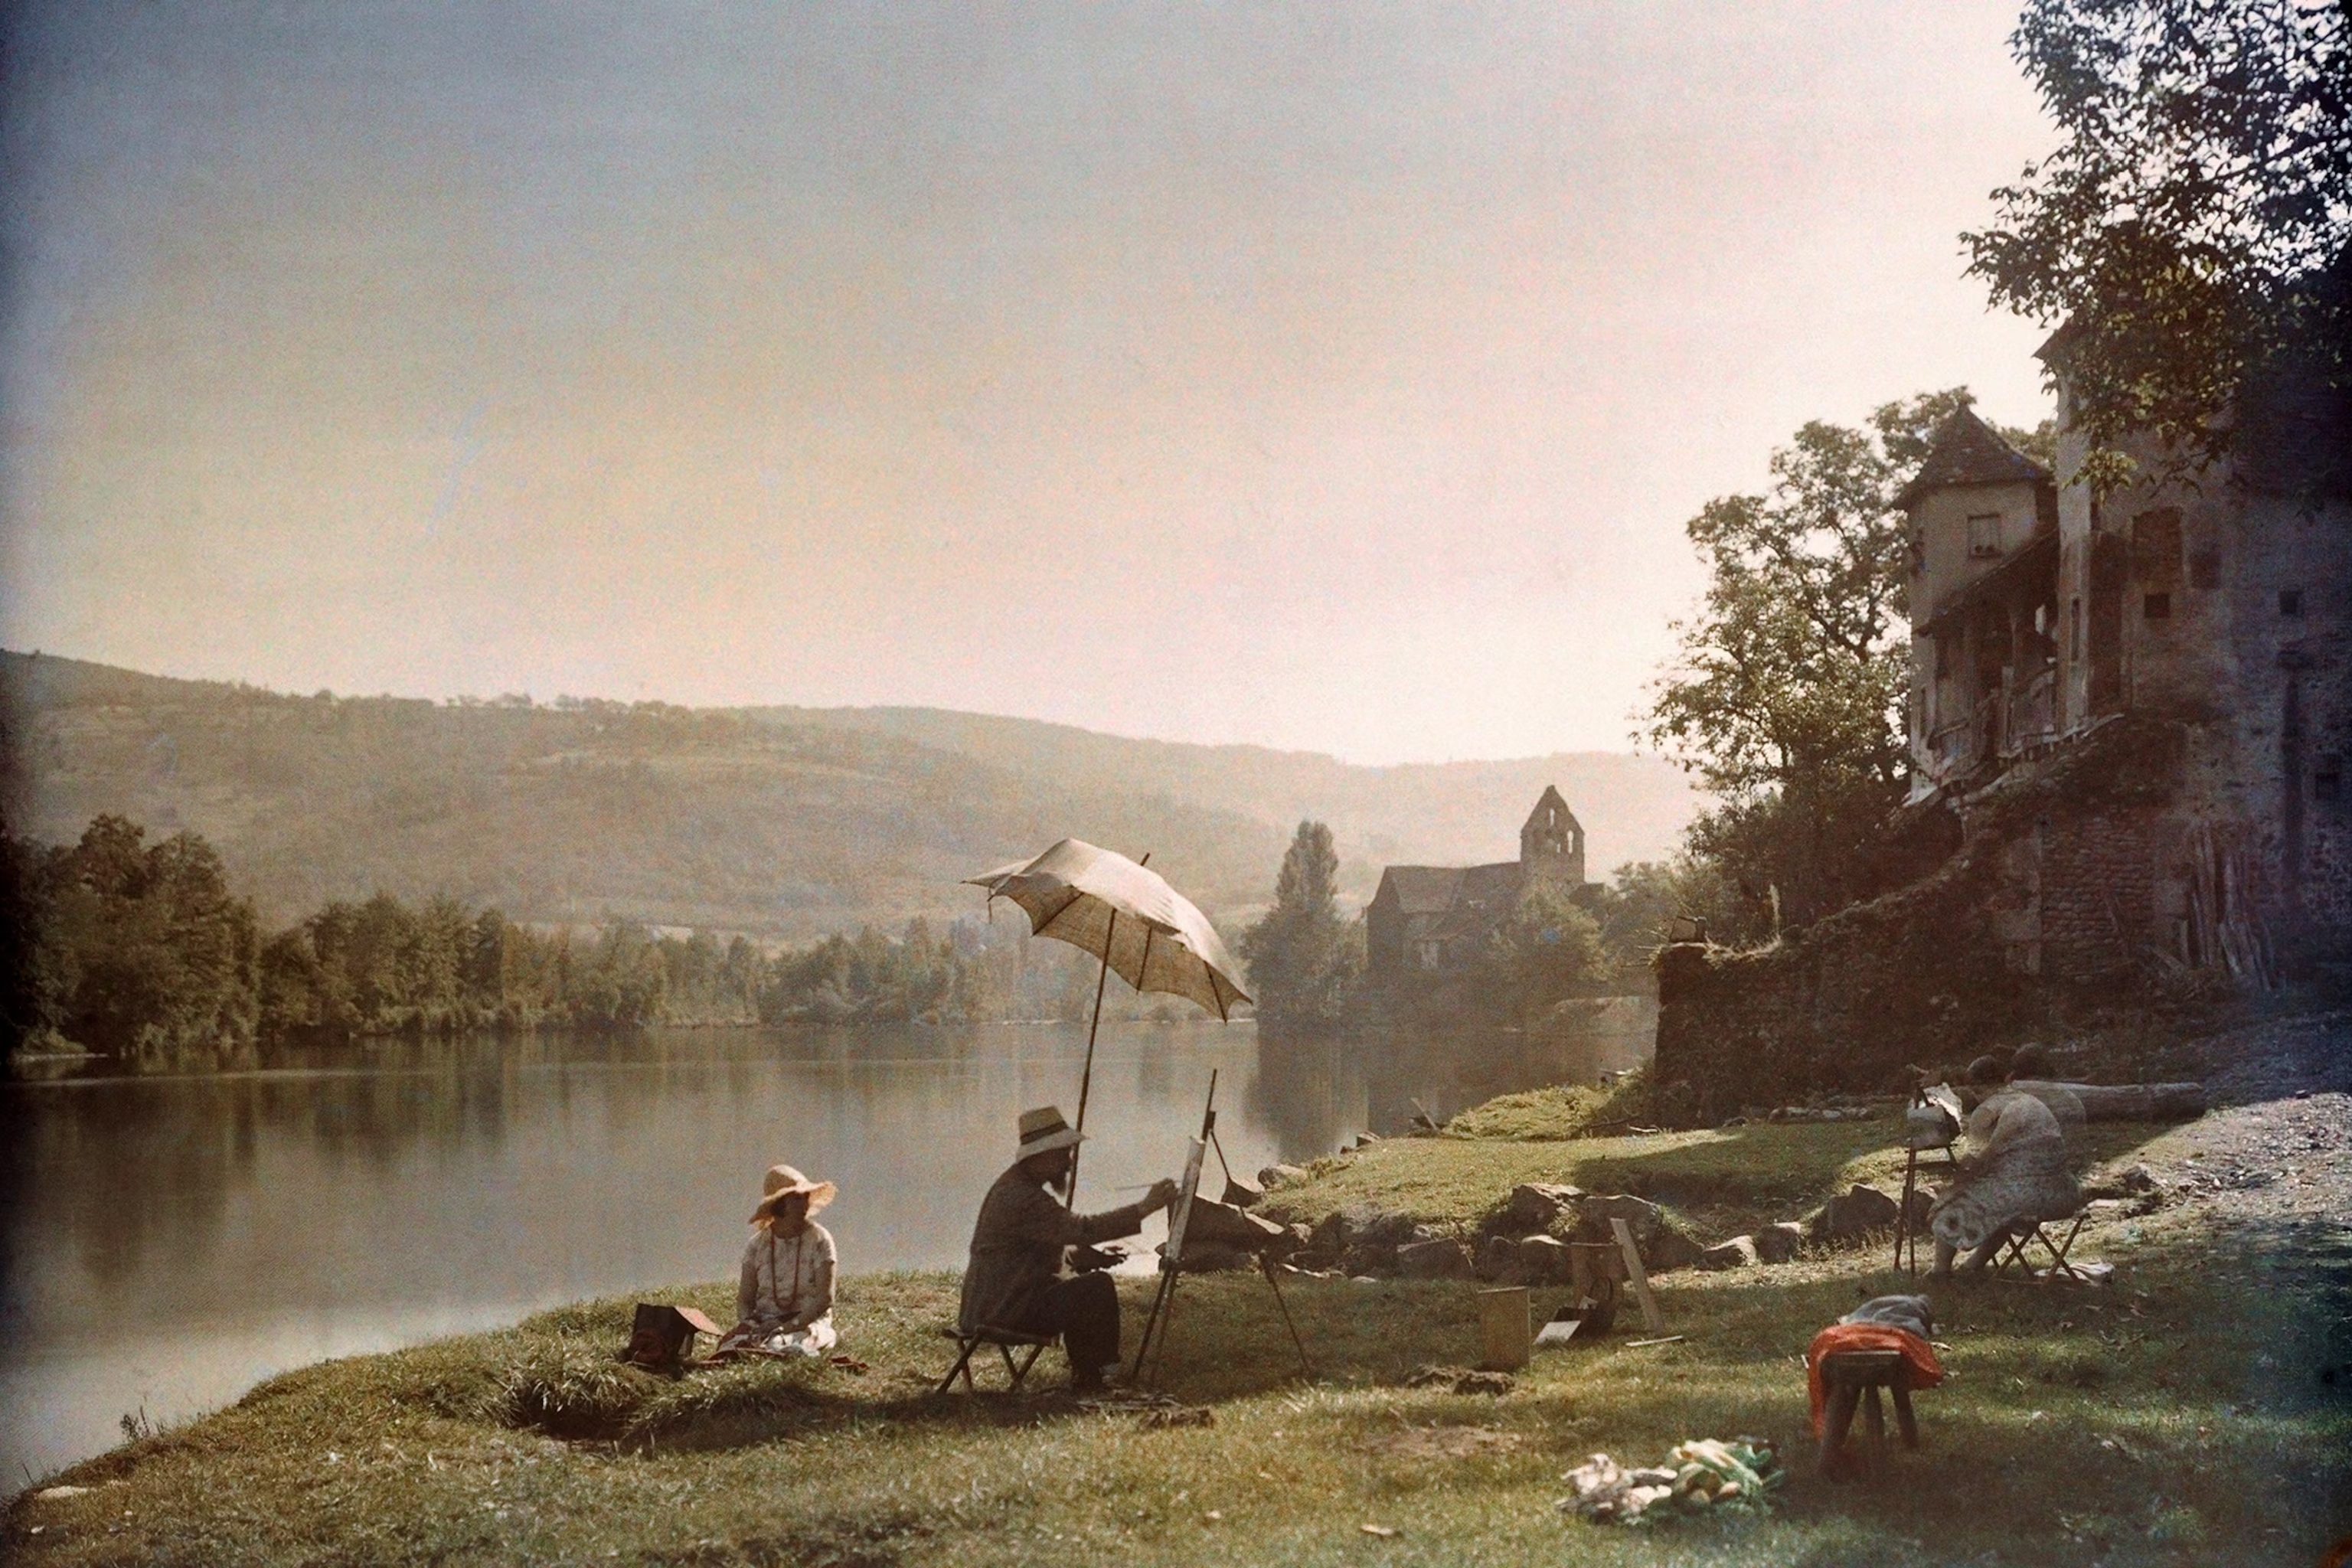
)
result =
(139, 950)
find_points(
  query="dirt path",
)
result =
(2277, 1146)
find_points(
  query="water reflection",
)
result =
(168, 1241)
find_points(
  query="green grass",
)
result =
(2133, 1425)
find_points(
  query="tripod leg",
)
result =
(1265, 1267)
(1166, 1316)
(1150, 1327)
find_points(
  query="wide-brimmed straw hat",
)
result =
(1043, 1130)
(781, 1183)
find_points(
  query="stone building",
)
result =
(1434, 921)
(2218, 612)
(2130, 714)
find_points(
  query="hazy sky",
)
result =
(1335, 377)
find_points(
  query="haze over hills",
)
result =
(777, 821)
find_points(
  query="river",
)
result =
(171, 1241)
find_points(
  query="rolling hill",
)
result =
(775, 821)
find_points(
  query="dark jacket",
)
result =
(1016, 1248)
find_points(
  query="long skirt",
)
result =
(2025, 1183)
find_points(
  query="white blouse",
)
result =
(787, 1280)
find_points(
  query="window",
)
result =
(2156, 548)
(2328, 779)
(2157, 606)
(2073, 628)
(2290, 601)
(1984, 536)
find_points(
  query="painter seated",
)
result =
(2015, 1174)
(784, 1302)
(1015, 1279)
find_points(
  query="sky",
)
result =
(1334, 377)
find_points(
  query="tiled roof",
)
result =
(1423, 889)
(1968, 451)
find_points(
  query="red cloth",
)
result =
(1921, 1369)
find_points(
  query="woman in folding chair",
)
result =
(2015, 1174)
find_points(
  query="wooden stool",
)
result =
(1004, 1340)
(1851, 1376)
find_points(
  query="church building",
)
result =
(1434, 921)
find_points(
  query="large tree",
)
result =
(2191, 227)
(1302, 954)
(1786, 696)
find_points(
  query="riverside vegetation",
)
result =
(139, 950)
(2188, 1409)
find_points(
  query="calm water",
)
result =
(169, 1242)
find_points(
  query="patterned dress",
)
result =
(783, 1302)
(2019, 1174)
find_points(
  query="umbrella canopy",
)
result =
(1157, 941)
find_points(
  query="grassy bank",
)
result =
(2177, 1416)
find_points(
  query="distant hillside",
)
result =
(775, 821)
(1444, 814)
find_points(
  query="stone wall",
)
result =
(2052, 904)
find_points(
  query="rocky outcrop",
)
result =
(1740, 1252)
(1855, 1214)
(1779, 1243)
(1442, 1259)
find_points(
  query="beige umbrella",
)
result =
(1126, 914)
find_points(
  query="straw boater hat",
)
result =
(781, 1183)
(1044, 1130)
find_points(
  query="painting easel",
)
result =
(1171, 1262)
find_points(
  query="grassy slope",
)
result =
(2127, 1425)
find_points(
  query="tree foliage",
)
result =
(137, 948)
(1787, 693)
(1545, 951)
(141, 952)
(2191, 229)
(1302, 956)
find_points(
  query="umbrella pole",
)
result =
(1087, 1077)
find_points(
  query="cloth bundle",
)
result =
(1701, 1473)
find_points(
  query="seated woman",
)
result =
(784, 1304)
(2015, 1174)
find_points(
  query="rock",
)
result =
(1329, 1235)
(1781, 1242)
(1433, 1260)
(1855, 1214)
(1498, 1261)
(1240, 1192)
(1365, 1260)
(1376, 1228)
(1740, 1252)
(1669, 1250)
(1544, 1260)
(1222, 1225)
(1537, 1206)
(1273, 1176)
(1364, 1138)
(1642, 1217)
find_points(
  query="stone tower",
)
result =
(1551, 844)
